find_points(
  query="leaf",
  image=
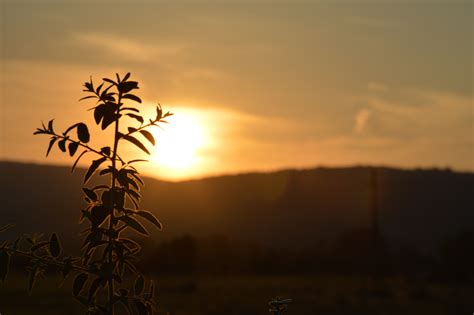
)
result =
(95, 164)
(133, 98)
(51, 143)
(39, 245)
(110, 81)
(136, 142)
(139, 285)
(98, 215)
(93, 289)
(148, 135)
(70, 128)
(152, 289)
(140, 307)
(32, 279)
(105, 150)
(78, 284)
(4, 264)
(99, 112)
(126, 76)
(83, 133)
(125, 87)
(137, 117)
(6, 227)
(77, 160)
(73, 148)
(150, 217)
(86, 97)
(54, 246)
(133, 109)
(62, 144)
(50, 125)
(134, 224)
(90, 193)
(136, 160)
(109, 118)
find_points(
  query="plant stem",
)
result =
(45, 260)
(112, 213)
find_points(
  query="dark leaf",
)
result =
(141, 308)
(131, 129)
(73, 148)
(99, 112)
(110, 81)
(32, 279)
(62, 145)
(149, 309)
(54, 246)
(105, 150)
(50, 125)
(97, 91)
(77, 160)
(70, 128)
(98, 215)
(38, 246)
(132, 97)
(90, 193)
(137, 160)
(51, 143)
(152, 290)
(4, 264)
(86, 97)
(95, 164)
(139, 285)
(106, 171)
(134, 224)
(137, 117)
(136, 142)
(148, 135)
(125, 87)
(83, 133)
(6, 227)
(133, 109)
(126, 76)
(150, 217)
(109, 118)
(79, 282)
(93, 289)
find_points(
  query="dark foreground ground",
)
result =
(249, 295)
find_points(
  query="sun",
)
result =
(178, 142)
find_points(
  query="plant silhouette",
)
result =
(108, 256)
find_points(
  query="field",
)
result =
(249, 295)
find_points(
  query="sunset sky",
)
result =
(255, 86)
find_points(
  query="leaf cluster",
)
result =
(110, 211)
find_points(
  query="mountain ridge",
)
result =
(286, 208)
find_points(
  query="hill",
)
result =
(285, 209)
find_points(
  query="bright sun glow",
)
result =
(177, 144)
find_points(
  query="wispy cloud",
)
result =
(128, 49)
(361, 119)
(376, 87)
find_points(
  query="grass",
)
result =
(199, 295)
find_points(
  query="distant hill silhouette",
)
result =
(285, 209)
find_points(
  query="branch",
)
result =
(46, 260)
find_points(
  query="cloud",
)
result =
(127, 49)
(376, 87)
(361, 119)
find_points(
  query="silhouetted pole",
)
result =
(375, 212)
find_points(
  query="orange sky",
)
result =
(262, 86)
